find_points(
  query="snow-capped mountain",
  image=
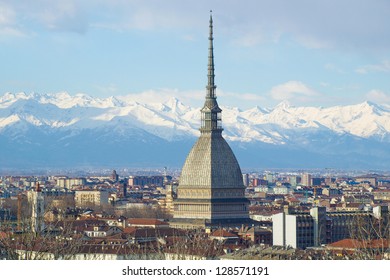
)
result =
(64, 130)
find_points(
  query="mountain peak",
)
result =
(285, 104)
(371, 107)
(176, 105)
(61, 120)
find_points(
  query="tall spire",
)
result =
(211, 113)
(210, 74)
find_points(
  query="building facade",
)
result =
(38, 209)
(91, 198)
(306, 180)
(302, 230)
(146, 180)
(70, 182)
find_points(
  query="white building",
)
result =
(38, 209)
(70, 182)
(294, 230)
(91, 197)
(306, 180)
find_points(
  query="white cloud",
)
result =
(21, 17)
(314, 24)
(8, 21)
(7, 15)
(68, 16)
(384, 66)
(378, 96)
(293, 91)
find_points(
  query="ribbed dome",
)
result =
(211, 164)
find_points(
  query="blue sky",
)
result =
(311, 53)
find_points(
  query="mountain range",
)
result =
(62, 131)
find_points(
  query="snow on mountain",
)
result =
(172, 119)
(56, 129)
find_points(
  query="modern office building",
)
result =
(317, 227)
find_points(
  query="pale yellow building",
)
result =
(91, 197)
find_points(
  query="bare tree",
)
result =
(371, 236)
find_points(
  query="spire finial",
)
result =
(211, 113)
(210, 74)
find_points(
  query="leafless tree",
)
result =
(371, 236)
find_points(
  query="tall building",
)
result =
(306, 180)
(37, 213)
(114, 176)
(245, 179)
(211, 192)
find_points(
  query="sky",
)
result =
(308, 53)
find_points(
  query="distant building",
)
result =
(382, 194)
(270, 177)
(245, 179)
(146, 223)
(69, 183)
(331, 192)
(302, 230)
(293, 180)
(38, 209)
(372, 180)
(317, 181)
(170, 195)
(91, 197)
(146, 181)
(223, 236)
(114, 176)
(306, 180)
(259, 182)
(257, 235)
(281, 189)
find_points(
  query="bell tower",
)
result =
(38, 209)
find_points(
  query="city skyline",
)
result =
(102, 181)
(312, 54)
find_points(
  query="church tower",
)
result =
(211, 192)
(37, 202)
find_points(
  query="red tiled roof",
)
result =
(354, 243)
(129, 229)
(140, 221)
(222, 233)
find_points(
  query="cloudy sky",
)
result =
(311, 53)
